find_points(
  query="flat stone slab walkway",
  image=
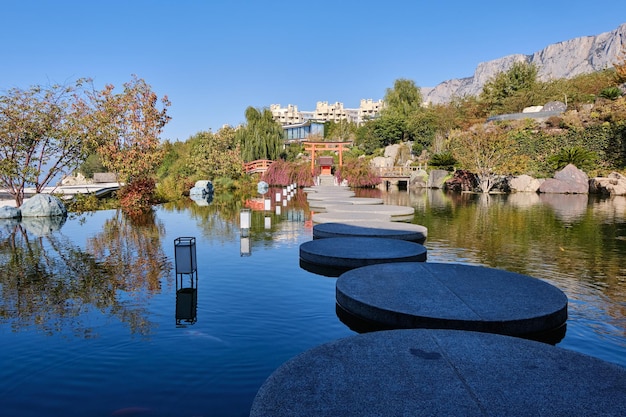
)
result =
(344, 253)
(349, 201)
(339, 217)
(452, 296)
(441, 373)
(390, 230)
(325, 188)
(391, 210)
(340, 194)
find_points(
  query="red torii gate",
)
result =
(324, 146)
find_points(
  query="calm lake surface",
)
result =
(88, 309)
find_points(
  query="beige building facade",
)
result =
(326, 112)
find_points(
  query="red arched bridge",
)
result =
(258, 166)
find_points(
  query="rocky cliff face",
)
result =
(560, 60)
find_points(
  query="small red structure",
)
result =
(325, 146)
(326, 164)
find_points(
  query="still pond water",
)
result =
(88, 309)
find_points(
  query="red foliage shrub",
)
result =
(137, 197)
(358, 173)
(284, 173)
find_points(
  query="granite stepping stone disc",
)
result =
(390, 230)
(452, 296)
(441, 373)
(345, 253)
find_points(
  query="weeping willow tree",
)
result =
(262, 137)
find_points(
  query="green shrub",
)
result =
(611, 93)
(578, 156)
(445, 160)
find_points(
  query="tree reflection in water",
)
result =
(49, 282)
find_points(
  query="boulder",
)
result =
(570, 180)
(43, 205)
(556, 106)
(614, 184)
(8, 212)
(436, 178)
(419, 179)
(202, 188)
(500, 184)
(524, 183)
(391, 151)
(462, 180)
(382, 162)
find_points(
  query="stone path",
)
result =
(367, 228)
(452, 296)
(340, 254)
(441, 373)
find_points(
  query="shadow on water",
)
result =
(361, 325)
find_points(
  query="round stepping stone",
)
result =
(345, 253)
(339, 217)
(325, 188)
(390, 230)
(330, 196)
(391, 210)
(441, 373)
(452, 296)
(353, 200)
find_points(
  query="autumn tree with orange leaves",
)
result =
(126, 129)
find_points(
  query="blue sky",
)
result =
(215, 58)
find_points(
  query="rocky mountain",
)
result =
(560, 60)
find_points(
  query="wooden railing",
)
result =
(260, 165)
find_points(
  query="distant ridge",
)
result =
(559, 60)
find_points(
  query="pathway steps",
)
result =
(368, 228)
(341, 254)
(452, 296)
(442, 373)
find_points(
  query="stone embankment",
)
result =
(569, 180)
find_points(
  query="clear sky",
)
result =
(215, 58)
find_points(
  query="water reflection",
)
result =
(100, 294)
(51, 283)
(186, 299)
(575, 242)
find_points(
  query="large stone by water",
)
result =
(614, 184)
(8, 212)
(525, 183)
(570, 180)
(441, 373)
(436, 178)
(43, 205)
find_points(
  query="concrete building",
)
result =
(326, 112)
